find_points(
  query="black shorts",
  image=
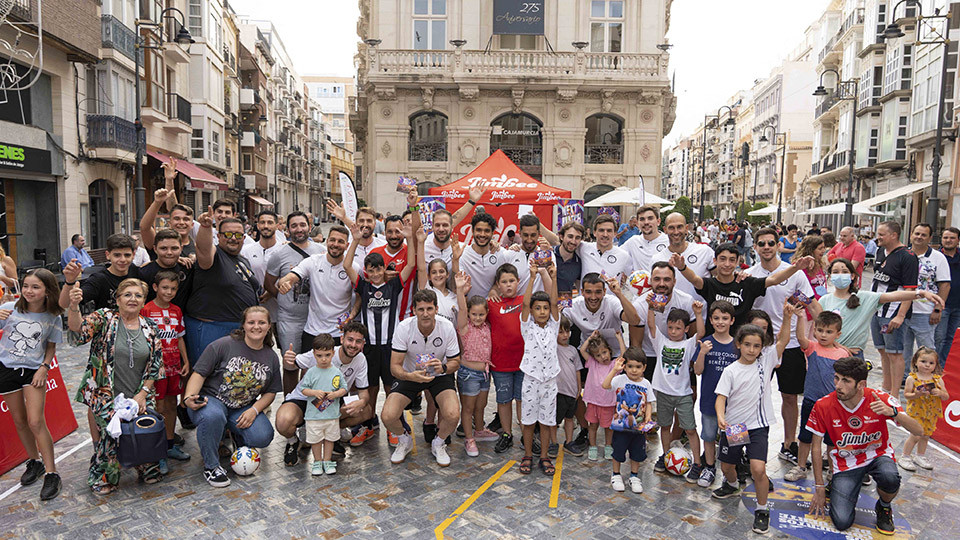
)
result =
(14, 379)
(412, 389)
(805, 435)
(378, 365)
(792, 371)
(651, 366)
(299, 403)
(566, 407)
(633, 441)
(756, 448)
(306, 342)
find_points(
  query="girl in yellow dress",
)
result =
(924, 392)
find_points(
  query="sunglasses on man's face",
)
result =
(771, 243)
(232, 235)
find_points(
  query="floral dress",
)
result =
(925, 408)
(96, 388)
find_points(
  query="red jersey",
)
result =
(507, 344)
(399, 260)
(860, 435)
(170, 324)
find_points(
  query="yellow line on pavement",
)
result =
(555, 490)
(476, 494)
(412, 434)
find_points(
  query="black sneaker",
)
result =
(217, 477)
(51, 486)
(693, 475)
(178, 440)
(429, 432)
(291, 454)
(659, 466)
(725, 491)
(494, 424)
(788, 454)
(504, 443)
(460, 432)
(33, 473)
(573, 449)
(761, 521)
(884, 519)
(583, 438)
(184, 418)
(338, 449)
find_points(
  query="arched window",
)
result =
(423, 188)
(428, 137)
(520, 138)
(604, 142)
(591, 194)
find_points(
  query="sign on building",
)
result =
(518, 17)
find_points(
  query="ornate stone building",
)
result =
(583, 105)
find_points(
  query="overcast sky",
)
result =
(720, 46)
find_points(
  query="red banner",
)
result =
(948, 427)
(58, 412)
(507, 216)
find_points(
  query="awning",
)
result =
(908, 189)
(765, 211)
(840, 208)
(259, 200)
(197, 177)
(625, 196)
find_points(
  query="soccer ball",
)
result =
(678, 460)
(640, 281)
(245, 461)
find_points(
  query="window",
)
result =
(228, 156)
(518, 42)
(154, 82)
(195, 18)
(428, 137)
(215, 143)
(261, 165)
(926, 90)
(606, 25)
(604, 141)
(196, 144)
(520, 137)
(247, 162)
(430, 25)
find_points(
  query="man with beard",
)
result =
(331, 293)
(438, 243)
(530, 240)
(349, 359)
(482, 257)
(699, 257)
(366, 219)
(568, 262)
(644, 246)
(224, 285)
(595, 309)
(602, 256)
(181, 217)
(257, 254)
(793, 366)
(663, 279)
(291, 308)
(167, 247)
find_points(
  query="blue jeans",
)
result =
(949, 321)
(918, 328)
(845, 488)
(211, 420)
(199, 334)
(509, 385)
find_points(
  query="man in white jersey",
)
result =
(482, 257)
(644, 246)
(602, 256)
(663, 280)
(594, 309)
(258, 253)
(699, 257)
(366, 220)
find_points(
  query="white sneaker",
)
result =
(302, 434)
(404, 446)
(635, 485)
(795, 474)
(906, 463)
(439, 450)
(345, 435)
(922, 462)
(617, 482)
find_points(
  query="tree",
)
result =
(744, 209)
(683, 206)
(759, 220)
(707, 212)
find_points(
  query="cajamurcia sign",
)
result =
(518, 17)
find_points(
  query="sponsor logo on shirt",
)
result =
(692, 259)
(661, 247)
(510, 309)
(858, 439)
(342, 274)
(437, 341)
(612, 259)
(854, 422)
(734, 298)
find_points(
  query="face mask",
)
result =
(841, 281)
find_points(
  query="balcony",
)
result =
(250, 139)
(179, 113)
(853, 20)
(117, 36)
(173, 52)
(249, 98)
(529, 159)
(831, 163)
(423, 151)
(604, 154)
(829, 53)
(112, 137)
(824, 106)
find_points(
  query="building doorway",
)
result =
(102, 196)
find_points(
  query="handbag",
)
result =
(142, 440)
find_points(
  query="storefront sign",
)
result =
(518, 17)
(24, 158)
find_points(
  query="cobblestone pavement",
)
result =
(370, 498)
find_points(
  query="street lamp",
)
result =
(893, 31)
(779, 138)
(846, 91)
(711, 117)
(182, 38)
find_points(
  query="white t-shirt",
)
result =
(442, 341)
(446, 304)
(642, 250)
(678, 299)
(934, 269)
(258, 256)
(747, 387)
(482, 269)
(672, 373)
(712, 232)
(699, 258)
(619, 382)
(432, 251)
(772, 302)
(354, 373)
(331, 293)
(614, 262)
(363, 251)
(540, 360)
(606, 319)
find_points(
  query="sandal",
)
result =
(547, 466)
(526, 464)
(102, 489)
(152, 480)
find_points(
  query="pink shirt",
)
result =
(593, 392)
(476, 344)
(854, 253)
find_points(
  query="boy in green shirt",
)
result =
(323, 383)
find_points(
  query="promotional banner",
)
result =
(429, 205)
(611, 211)
(518, 17)
(57, 411)
(569, 210)
(948, 427)
(349, 193)
(642, 195)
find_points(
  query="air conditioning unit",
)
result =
(92, 154)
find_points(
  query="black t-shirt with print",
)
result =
(101, 287)
(741, 295)
(900, 268)
(149, 271)
(224, 290)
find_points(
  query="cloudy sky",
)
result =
(720, 46)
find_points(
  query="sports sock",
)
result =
(884, 504)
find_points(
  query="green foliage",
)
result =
(707, 212)
(682, 206)
(760, 220)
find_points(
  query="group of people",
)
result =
(434, 321)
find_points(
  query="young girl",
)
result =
(436, 275)
(31, 331)
(473, 377)
(924, 392)
(601, 404)
(813, 245)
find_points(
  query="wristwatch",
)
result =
(471, 203)
(895, 413)
(443, 369)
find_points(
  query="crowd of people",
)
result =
(718, 313)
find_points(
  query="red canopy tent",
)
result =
(510, 194)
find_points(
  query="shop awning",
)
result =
(259, 200)
(766, 211)
(840, 208)
(908, 189)
(197, 177)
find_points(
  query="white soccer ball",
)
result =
(245, 461)
(678, 460)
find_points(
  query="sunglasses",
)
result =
(232, 235)
(766, 244)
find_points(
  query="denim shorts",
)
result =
(892, 342)
(471, 382)
(709, 428)
(509, 385)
